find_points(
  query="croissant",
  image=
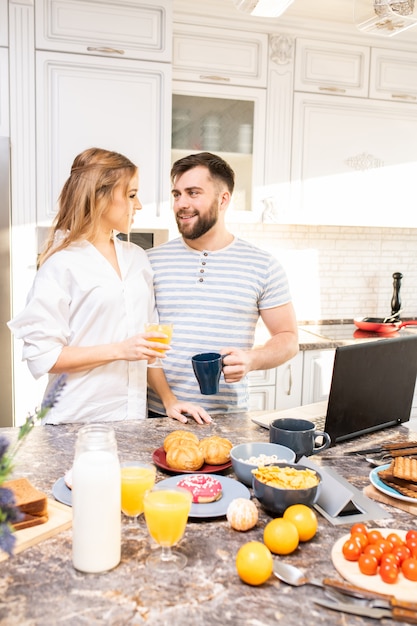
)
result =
(216, 450)
(178, 436)
(187, 456)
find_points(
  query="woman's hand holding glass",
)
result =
(162, 334)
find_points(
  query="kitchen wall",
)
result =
(340, 272)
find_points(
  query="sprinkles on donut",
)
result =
(204, 488)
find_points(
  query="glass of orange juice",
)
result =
(166, 514)
(136, 478)
(166, 329)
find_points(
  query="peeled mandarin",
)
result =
(242, 514)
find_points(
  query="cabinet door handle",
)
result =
(105, 49)
(403, 96)
(333, 89)
(214, 77)
(289, 388)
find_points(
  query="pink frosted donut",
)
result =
(203, 487)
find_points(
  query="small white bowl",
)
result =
(243, 451)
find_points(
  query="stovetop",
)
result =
(332, 331)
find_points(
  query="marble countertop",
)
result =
(39, 586)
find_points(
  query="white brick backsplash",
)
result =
(339, 272)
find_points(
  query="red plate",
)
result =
(160, 459)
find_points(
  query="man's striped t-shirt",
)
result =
(213, 298)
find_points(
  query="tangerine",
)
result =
(254, 563)
(281, 536)
(304, 519)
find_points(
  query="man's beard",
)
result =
(201, 226)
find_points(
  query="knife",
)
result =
(406, 448)
(401, 615)
(381, 600)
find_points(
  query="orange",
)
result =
(254, 563)
(281, 536)
(305, 520)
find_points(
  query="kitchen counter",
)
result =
(40, 586)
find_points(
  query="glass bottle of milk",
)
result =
(96, 505)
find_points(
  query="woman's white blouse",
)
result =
(78, 299)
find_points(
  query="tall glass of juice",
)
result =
(136, 478)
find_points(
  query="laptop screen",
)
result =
(372, 386)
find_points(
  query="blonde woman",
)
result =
(91, 297)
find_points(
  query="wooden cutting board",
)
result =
(60, 518)
(374, 494)
(403, 589)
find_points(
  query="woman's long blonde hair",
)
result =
(85, 197)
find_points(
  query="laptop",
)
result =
(372, 388)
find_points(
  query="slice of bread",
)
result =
(31, 502)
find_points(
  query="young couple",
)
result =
(92, 295)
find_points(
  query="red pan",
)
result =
(377, 325)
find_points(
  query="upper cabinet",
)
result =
(352, 151)
(215, 110)
(353, 161)
(126, 28)
(326, 67)
(394, 75)
(218, 55)
(113, 103)
(103, 78)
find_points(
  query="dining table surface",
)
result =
(39, 586)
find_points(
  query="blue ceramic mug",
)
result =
(207, 368)
(299, 435)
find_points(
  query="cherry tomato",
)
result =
(385, 545)
(374, 550)
(390, 557)
(351, 550)
(368, 564)
(411, 534)
(411, 543)
(409, 568)
(389, 573)
(359, 528)
(402, 552)
(361, 539)
(374, 536)
(395, 539)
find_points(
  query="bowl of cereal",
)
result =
(248, 456)
(280, 485)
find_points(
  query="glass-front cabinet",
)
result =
(228, 121)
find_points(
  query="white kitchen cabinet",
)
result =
(289, 380)
(262, 389)
(278, 388)
(317, 375)
(118, 104)
(353, 161)
(4, 93)
(136, 29)
(219, 55)
(262, 398)
(331, 67)
(393, 75)
(229, 121)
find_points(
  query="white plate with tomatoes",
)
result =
(403, 588)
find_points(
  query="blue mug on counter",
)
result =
(299, 435)
(207, 368)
